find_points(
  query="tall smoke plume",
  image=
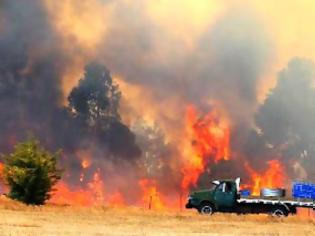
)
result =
(133, 92)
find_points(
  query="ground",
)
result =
(19, 220)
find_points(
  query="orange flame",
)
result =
(64, 195)
(1, 169)
(97, 187)
(94, 194)
(151, 198)
(210, 137)
(1, 177)
(273, 177)
(85, 163)
(116, 200)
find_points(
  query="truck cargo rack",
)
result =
(291, 202)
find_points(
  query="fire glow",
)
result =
(199, 76)
(273, 177)
(209, 142)
(151, 197)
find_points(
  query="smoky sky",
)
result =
(226, 65)
(229, 60)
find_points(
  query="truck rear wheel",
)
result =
(206, 209)
(279, 212)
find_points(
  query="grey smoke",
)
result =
(287, 116)
(230, 59)
(33, 62)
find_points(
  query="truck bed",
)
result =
(307, 203)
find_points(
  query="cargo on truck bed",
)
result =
(225, 196)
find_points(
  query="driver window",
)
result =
(228, 187)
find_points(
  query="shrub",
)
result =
(31, 172)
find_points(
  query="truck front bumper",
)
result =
(191, 203)
(188, 205)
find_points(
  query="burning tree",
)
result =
(155, 149)
(95, 104)
(31, 172)
(96, 98)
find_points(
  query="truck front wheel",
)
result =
(206, 208)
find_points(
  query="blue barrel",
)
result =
(245, 193)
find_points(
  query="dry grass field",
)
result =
(20, 220)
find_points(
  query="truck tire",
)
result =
(206, 208)
(272, 192)
(279, 211)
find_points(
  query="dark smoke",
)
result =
(29, 82)
(287, 116)
(233, 56)
(227, 65)
(285, 123)
(32, 64)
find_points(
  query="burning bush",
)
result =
(31, 172)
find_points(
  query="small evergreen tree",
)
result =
(31, 172)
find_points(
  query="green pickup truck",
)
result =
(224, 196)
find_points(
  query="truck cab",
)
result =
(222, 196)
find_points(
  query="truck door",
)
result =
(225, 196)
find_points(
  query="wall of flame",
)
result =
(165, 34)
